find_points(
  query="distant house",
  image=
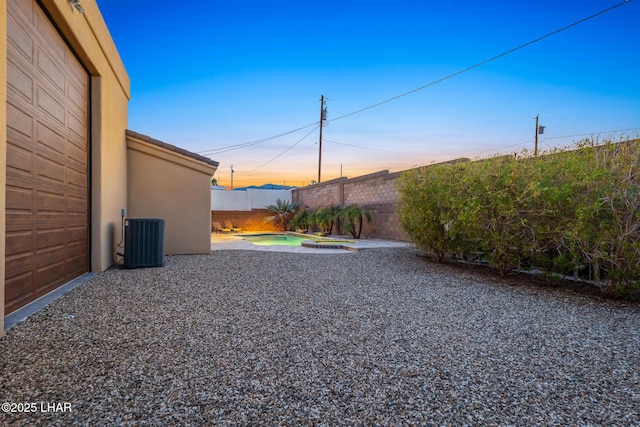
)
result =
(266, 187)
(70, 166)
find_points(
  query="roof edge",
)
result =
(172, 147)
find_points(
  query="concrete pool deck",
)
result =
(235, 241)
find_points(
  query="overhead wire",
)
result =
(359, 146)
(542, 141)
(440, 80)
(294, 144)
(254, 142)
(500, 148)
(593, 133)
(479, 64)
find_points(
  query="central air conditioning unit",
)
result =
(143, 243)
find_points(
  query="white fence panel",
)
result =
(246, 200)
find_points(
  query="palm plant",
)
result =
(282, 211)
(326, 217)
(301, 220)
(354, 217)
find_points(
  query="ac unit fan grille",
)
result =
(143, 243)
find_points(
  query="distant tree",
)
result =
(214, 181)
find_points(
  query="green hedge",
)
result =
(570, 212)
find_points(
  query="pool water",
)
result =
(274, 239)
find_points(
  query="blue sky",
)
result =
(206, 75)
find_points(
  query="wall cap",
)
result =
(154, 147)
(171, 147)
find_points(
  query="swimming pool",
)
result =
(274, 239)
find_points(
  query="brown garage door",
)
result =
(47, 158)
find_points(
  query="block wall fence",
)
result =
(376, 192)
(252, 220)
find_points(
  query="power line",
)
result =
(251, 143)
(500, 148)
(592, 133)
(361, 147)
(296, 143)
(457, 73)
(554, 137)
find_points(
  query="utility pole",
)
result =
(232, 177)
(323, 117)
(539, 131)
(535, 149)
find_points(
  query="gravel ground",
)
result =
(379, 337)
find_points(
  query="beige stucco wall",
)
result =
(166, 184)
(88, 36)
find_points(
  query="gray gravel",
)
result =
(379, 337)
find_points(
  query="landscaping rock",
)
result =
(377, 337)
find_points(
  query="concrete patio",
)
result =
(234, 241)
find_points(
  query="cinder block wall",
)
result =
(318, 195)
(253, 220)
(376, 192)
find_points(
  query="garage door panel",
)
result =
(49, 39)
(47, 195)
(77, 206)
(18, 243)
(19, 38)
(48, 188)
(76, 179)
(19, 161)
(74, 267)
(19, 199)
(49, 169)
(48, 202)
(21, 121)
(76, 231)
(19, 288)
(76, 235)
(76, 253)
(20, 221)
(77, 152)
(76, 125)
(21, 83)
(77, 76)
(77, 259)
(49, 105)
(50, 239)
(51, 70)
(76, 92)
(50, 138)
(19, 264)
(50, 276)
(26, 9)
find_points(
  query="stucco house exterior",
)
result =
(69, 165)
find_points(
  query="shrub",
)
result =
(426, 209)
(570, 211)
